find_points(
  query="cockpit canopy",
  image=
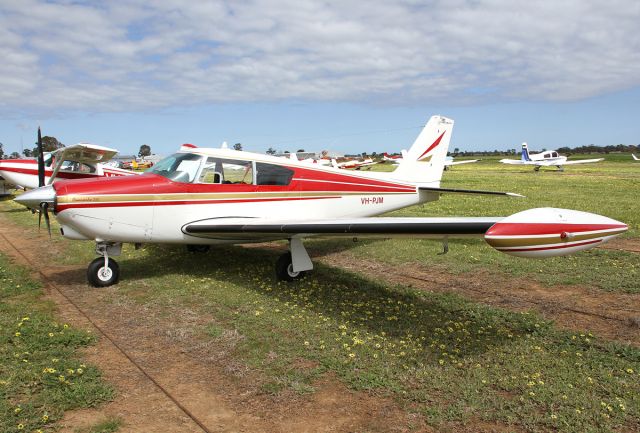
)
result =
(195, 168)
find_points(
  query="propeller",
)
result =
(44, 206)
(40, 160)
(44, 210)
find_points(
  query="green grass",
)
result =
(41, 376)
(109, 425)
(607, 188)
(451, 360)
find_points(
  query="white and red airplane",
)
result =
(545, 159)
(82, 160)
(354, 164)
(221, 196)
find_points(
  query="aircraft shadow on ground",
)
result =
(333, 292)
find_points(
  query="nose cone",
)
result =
(32, 199)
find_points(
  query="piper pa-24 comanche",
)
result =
(547, 158)
(221, 196)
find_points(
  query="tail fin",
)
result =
(635, 157)
(424, 162)
(525, 153)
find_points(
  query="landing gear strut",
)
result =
(104, 271)
(293, 264)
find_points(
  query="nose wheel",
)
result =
(103, 272)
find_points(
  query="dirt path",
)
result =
(165, 380)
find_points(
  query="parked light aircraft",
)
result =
(354, 163)
(545, 159)
(448, 161)
(78, 161)
(197, 197)
(635, 157)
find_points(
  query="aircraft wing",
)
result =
(350, 227)
(583, 161)
(514, 161)
(460, 162)
(85, 152)
(82, 152)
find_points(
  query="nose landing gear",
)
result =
(104, 271)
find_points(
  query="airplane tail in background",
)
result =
(424, 162)
(525, 153)
(635, 157)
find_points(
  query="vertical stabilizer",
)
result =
(424, 161)
(525, 153)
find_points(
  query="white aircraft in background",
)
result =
(547, 158)
(193, 198)
(78, 161)
(320, 161)
(448, 161)
(635, 157)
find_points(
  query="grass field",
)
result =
(452, 361)
(41, 374)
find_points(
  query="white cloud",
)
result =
(135, 55)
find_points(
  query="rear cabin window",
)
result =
(227, 171)
(271, 174)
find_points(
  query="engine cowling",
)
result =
(549, 232)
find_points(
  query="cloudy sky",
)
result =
(344, 75)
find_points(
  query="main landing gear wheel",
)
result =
(101, 276)
(197, 248)
(284, 269)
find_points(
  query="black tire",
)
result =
(284, 269)
(197, 248)
(99, 277)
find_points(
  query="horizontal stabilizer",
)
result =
(467, 191)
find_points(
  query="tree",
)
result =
(14, 155)
(300, 150)
(28, 152)
(237, 146)
(145, 150)
(1, 151)
(271, 151)
(49, 144)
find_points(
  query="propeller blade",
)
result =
(40, 160)
(40, 217)
(45, 209)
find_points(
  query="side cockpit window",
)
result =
(226, 171)
(271, 174)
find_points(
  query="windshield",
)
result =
(179, 167)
